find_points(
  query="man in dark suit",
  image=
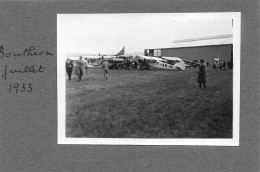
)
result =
(69, 67)
(202, 74)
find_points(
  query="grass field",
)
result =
(149, 104)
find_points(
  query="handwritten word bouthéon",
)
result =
(31, 51)
(22, 69)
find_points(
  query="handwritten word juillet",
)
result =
(22, 69)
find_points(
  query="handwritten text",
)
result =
(31, 51)
(22, 70)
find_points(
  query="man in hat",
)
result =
(69, 67)
(202, 74)
(105, 66)
(80, 64)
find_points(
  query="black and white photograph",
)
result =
(148, 78)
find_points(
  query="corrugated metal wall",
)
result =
(208, 53)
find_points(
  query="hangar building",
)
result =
(207, 48)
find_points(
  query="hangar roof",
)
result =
(203, 41)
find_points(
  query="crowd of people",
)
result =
(220, 64)
(79, 65)
(216, 65)
(134, 64)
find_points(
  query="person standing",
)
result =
(80, 64)
(224, 64)
(102, 60)
(135, 64)
(202, 74)
(69, 67)
(105, 66)
(127, 64)
(86, 68)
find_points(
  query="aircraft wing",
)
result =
(191, 62)
(148, 58)
(172, 58)
(91, 57)
(74, 58)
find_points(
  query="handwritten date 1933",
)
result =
(20, 88)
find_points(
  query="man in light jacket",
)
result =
(105, 66)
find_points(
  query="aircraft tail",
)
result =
(182, 65)
(122, 52)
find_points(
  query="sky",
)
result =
(109, 33)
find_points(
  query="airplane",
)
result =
(93, 60)
(120, 53)
(171, 63)
(107, 56)
(96, 60)
(189, 63)
(174, 59)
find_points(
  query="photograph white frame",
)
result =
(62, 139)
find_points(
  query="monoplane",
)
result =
(171, 63)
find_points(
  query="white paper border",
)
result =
(236, 16)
